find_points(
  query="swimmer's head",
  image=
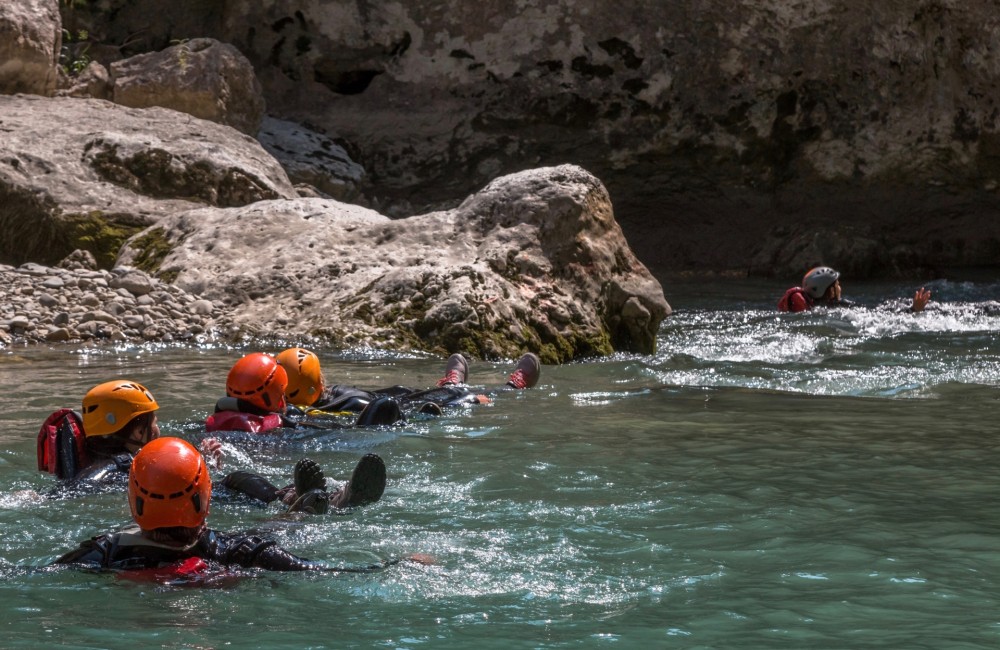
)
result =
(305, 378)
(258, 379)
(169, 485)
(818, 280)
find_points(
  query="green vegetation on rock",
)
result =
(101, 234)
(151, 248)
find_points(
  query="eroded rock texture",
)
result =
(717, 126)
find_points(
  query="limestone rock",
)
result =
(79, 259)
(134, 281)
(535, 261)
(857, 252)
(87, 174)
(201, 77)
(30, 38)
(311, 158)
(710, 122)
(94, 81)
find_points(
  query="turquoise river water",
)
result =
(822, 480)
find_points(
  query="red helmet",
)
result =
(818, 280)
(169, 485)
(258, 379)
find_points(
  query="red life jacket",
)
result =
(238, 421)
(182, 571)
(61, 444)
(796, 299)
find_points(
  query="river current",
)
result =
(765, 480)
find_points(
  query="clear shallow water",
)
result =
(764, 481)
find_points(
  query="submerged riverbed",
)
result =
(763, 481)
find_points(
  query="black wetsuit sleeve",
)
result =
(252, 551)
(94, 552)
(275, 558)
(343, 398)
(104, 475)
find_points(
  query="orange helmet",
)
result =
(110, 406)
(305, 379)
(258, 379)
(169, 485)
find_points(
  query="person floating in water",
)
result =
(93, 450)
(307, 389)
(821, 287)
(255, 400)
(169, 496)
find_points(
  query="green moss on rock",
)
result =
(100, 233)
(151, 249)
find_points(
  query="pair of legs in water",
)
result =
(387, 405)
(308, 491)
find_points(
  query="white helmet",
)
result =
(818, 280)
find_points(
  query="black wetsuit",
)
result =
(349, 398)
(129, 549)
(106, 474)
(380, 410)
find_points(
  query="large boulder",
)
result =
(201, 77)
(87, 174)
(30, 38)
(534, 261)
(311, 158)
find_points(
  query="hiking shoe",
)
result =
(456, 371)
(308, 475)
(314, 502)
(366, 485)
(526, 372)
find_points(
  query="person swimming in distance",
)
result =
(821, 287)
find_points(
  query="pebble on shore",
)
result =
(76, 302)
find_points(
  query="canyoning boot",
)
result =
(310, 488)
(366, 485)
(526, 372)
(253, 485)
(380, 411)
(313, 502)
(456, 371)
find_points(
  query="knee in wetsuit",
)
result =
(253, 485)
(380, 411)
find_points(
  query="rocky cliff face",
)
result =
(729, 134)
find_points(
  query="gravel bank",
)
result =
(42, 304)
